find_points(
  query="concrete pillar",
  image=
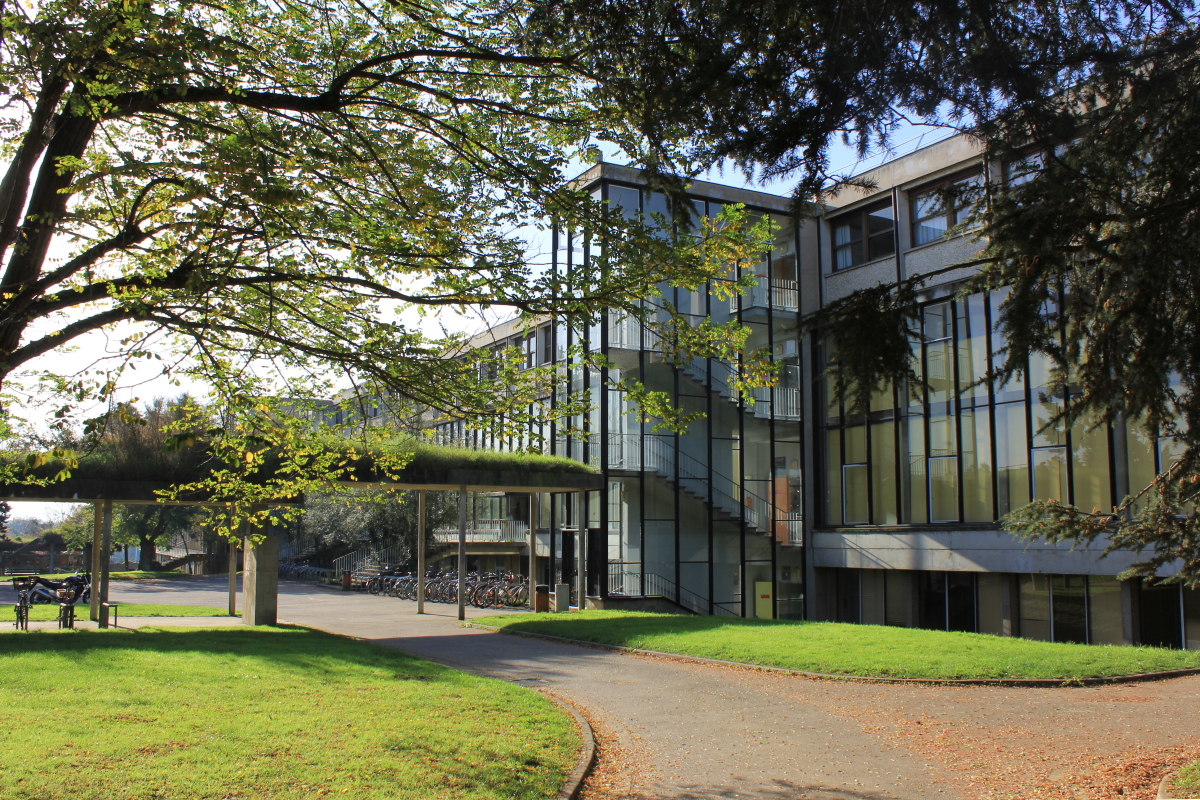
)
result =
(581, 553)
(421, 552)
(260, 582)
(535, 513)
(233, 550)
(97, 536)
(105, 563)
(462, 553)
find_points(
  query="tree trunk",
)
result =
(147, 540)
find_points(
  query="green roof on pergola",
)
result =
(432, 468)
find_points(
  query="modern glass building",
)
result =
(792, 507)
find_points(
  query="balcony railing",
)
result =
(779, 294)
(487, 530)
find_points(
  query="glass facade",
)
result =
(714, 518)
(711, 519)
(962, 449)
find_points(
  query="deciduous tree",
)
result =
(251, 194)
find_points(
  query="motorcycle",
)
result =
(76, 588)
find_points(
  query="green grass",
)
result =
(1188, 779)
(264, 713)
(49, 612)
(846, 649)
(428, 456)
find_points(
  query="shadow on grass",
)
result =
(291, 646)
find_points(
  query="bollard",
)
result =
(562, 597)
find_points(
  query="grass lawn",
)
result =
(264, 713)
(50, 611)
(846, 649)
(1187, 782)
(131, 575)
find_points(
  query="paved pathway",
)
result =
(694, 731)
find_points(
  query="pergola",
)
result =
(260, 585)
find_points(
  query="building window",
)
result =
(863, 236)
(1022, 170)
(943, 205)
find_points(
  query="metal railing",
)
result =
(658, 454)
(779, 294)
(487, 530)
(628, 583)
(371, 557)
(783, 398)
(627, 333)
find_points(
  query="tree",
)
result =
(77, 529)
(379, 517)
(251, 193)
(1099, 255)
(150, 526)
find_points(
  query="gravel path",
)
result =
(669, 729)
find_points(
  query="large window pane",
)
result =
(899, 590)
(871, 590)
(1034, 601)
(977, 466)
(1012, 457)
(1050, 474)
(625, 200)
(880, 223)
(1139, 446)
(912, 469)
(1070, 608)
(993, 589)
(833, 476)
(1104, 611)
(1191, 618)
(972, 348)
(1161, 615)
(856, 445)
(942, 435)
(1047, 430)
(943, 489)
(939, 372)
(1089, 466)
(883, 473)
(929, 230)
(931, 598)
(960, 601)
(1015, 388)
(854, 478)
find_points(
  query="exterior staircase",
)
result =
(729, 501)
(717, 376)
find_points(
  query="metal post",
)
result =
(581, 553)
(105, 563)
(421, 552)
(233, 550)
(462, 553)
(97, 536)
(535, 512)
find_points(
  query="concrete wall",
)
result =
(980, 550)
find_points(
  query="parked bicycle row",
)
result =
(302, 572)
(490, 590)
